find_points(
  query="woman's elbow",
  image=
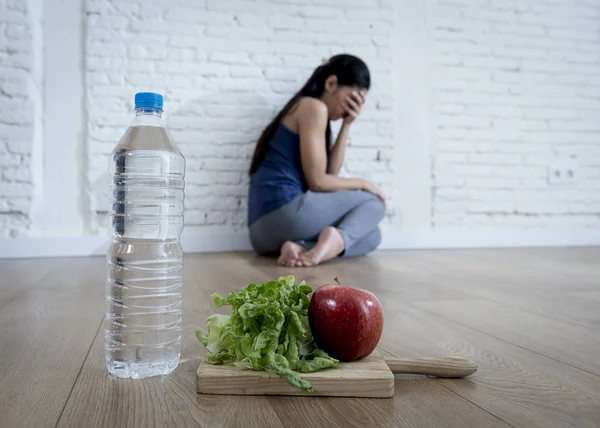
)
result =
(316, 186)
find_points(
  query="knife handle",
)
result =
(448, 367)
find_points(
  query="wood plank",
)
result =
(45, 335)
(590, 296)
(521, 387)
(369, 377)
(536, 293)
(575, 345)
(418, 402)
(99, 400)
(560, 268)
(436, 303)
(554, 305)
(19, 276)
(173, 401)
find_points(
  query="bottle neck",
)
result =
(148, 116)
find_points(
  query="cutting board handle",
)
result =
(450, 367)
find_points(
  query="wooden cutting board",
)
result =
(369, 377)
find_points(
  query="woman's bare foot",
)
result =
(329, 245)
(290, 251)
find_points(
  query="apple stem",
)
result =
(337, 280)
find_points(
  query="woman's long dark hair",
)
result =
(349, 70)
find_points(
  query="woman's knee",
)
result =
(361, 195)
(366, 244)
(373, 240)
(376, 238)
(378, 208)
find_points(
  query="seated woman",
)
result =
(298, 206)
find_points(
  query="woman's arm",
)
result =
(352, 105)
(312, 123)
(338, 152)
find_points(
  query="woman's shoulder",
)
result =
(312, 111)
(311, 106)
(307, 110)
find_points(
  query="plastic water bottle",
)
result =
(142, 334)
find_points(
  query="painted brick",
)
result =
(514, 84)
(17, 174)
(496, 65)
(268, 50)
(17, 115)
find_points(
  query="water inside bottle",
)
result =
(145, 259)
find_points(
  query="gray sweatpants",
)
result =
(356, 215)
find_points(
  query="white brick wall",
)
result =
(511, 86)
(224, 71)
(516, 88)
(16, 117)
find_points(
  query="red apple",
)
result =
(346, 322)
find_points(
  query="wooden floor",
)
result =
(529, 317)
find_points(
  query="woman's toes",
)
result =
(306, 259)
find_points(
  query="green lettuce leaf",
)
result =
(267, 330)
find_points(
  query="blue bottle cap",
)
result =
(148, 99)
